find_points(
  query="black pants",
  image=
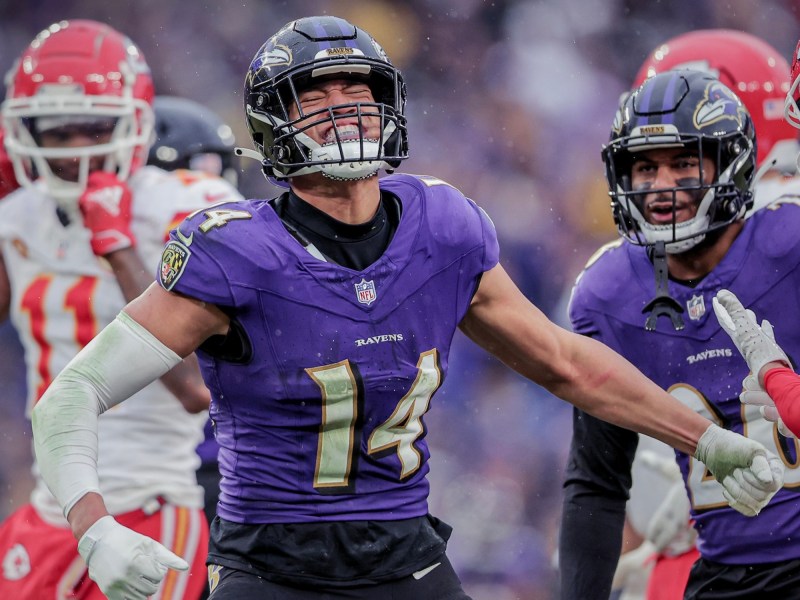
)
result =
(438, 583)
(769, 581)
(208, 477)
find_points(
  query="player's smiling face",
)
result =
(663, 170)
(332, 93)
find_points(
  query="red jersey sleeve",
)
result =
(783, 386)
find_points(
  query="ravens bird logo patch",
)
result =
(173, 262)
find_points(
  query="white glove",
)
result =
(125, 565)
(669, 528)
(754, 395)
(749, 474)
(756, 344)
(666, 467)
(633, 563)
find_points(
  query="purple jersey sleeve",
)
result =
(191, 260)
(491, 254)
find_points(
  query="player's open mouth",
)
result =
(664, 212)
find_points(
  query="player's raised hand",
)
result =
(125, 565)
(749, 474)
(756, 344)
(670, 530)
(666, 467)
(631, 564)
(755, 395)
(106, 209)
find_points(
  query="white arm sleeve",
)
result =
(121, 360)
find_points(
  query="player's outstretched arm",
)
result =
(594, 378)
(122, 359)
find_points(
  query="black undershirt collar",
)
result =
(352, 246)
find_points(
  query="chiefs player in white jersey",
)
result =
(83, 236)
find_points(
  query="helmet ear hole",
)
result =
(279, 152)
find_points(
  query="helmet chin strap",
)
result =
(663, 303)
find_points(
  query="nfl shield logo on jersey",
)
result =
(697, 307)
(365, 291)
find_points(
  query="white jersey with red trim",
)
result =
(62, 295)
(773, 188)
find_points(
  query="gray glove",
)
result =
(749, 474)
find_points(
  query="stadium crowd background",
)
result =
(510, 101)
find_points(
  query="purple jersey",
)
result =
(701, 367)
(325, 421)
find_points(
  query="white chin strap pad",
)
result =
(350, 151)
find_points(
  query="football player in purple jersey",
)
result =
(680, 165)
(759, 75)
(323, 321)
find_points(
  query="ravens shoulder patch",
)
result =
(173, 262)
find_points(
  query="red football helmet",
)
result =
(792, 111)
(75, 71)
(752, 68)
